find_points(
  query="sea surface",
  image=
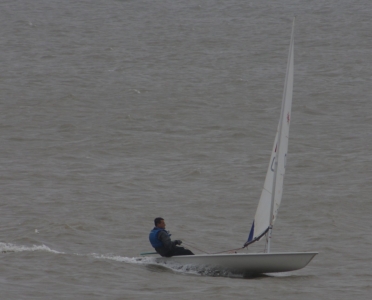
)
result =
(115, 112)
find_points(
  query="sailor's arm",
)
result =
(165, 239)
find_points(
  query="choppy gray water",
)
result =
(116, 112)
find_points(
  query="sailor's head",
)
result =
(159, 222)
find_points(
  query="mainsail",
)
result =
(271, 195)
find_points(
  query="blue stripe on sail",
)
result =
(250, 237)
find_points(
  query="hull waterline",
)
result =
(253, 263)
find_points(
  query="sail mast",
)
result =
(287, 86)
(271, 194)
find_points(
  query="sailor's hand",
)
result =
(177, 242)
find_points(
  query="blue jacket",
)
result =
(153, 237)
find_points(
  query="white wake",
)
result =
(8, 247)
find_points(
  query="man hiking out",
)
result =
(160, 240)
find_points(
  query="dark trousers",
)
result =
(178, 251)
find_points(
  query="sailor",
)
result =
(160, 240)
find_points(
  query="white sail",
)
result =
(271, 195)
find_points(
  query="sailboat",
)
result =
(267, 262)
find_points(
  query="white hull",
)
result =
(251, 263)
